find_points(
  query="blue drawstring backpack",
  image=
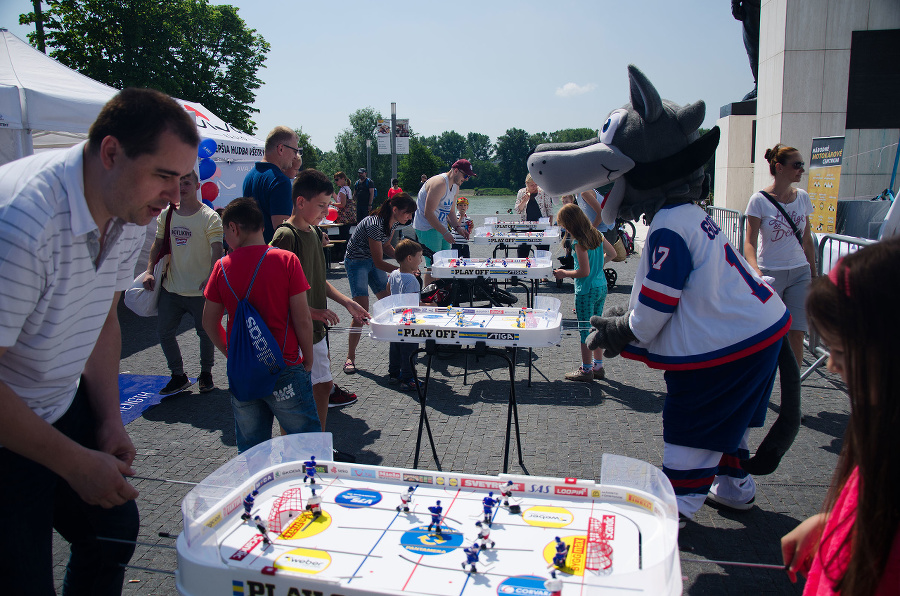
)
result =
(255, 360)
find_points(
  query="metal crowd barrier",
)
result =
(830, 248)
(732, 223)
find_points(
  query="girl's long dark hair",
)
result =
(403, 202)
(579, 227)
(857, 311)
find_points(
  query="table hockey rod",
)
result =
(736, 563)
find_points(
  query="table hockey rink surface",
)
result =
(361, 544)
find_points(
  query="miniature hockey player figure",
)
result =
(406, 499)
(489, 502)
(554, 584)
(436, 517)
(314, 504)
(562, 552)
(261, 526)
(248, 504)
(506, 492)
(484, 536)
(471, 557)
(310, 467)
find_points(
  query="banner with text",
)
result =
(383, 135)
(824, 182)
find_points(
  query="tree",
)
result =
(450, 146)
(186, 48)
(572, 135)
(420, 161)
(350, 147)
(311, 153)
(479, 147)
(512, 150)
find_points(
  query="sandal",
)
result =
(349, 367)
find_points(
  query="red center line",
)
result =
(411, 573)
(584, 572)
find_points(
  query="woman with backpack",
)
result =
(779, 215)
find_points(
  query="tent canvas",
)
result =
(46, 105)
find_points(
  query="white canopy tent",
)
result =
(45, 105)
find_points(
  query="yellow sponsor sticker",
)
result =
(639, 501)
(577, 557)
(214, 521)
(305, 526)
(547, 517)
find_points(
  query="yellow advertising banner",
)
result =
(824, 182)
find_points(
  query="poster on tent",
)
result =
(383, 136)
(825, 159)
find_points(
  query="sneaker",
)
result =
(579, 374)
(178, 384)
(393, 379)
(600, 373)
(729, 504)
(341, 457)
(206, 382)
(340, 398)
(408, 385)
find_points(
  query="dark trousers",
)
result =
(34, 501)
(398, 359)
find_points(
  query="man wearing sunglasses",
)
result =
(435, 209)
(267, 183)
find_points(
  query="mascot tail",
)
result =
(782, 434)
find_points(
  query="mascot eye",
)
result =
(609, 128)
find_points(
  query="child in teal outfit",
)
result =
(590, 283)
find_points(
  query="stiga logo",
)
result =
(570, 491)
(390, 475)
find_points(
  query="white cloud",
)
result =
(572, 89)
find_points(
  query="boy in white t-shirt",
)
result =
(404, 281)
(459, 241)
(195, 235)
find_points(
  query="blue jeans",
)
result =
(291, 403)
(363, 274)
(172, 307)
(34, 501)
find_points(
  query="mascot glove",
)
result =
(612, 333)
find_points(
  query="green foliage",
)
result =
(478, 148)
(513, 149)
(186, 48)
(311, 153)
(572, 135)
(494, 192)
(420, 161)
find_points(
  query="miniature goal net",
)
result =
(599, 550)
(287, 508)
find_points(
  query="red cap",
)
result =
(463, 166)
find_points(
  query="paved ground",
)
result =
(566, 428)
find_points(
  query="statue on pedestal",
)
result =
(747, 12)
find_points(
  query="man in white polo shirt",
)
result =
(69, 239)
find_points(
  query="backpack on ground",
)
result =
(255, 360)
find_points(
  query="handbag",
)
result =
(140, 300)
(778, 206)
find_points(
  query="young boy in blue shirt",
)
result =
(404, 281)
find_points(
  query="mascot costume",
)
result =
(697, 310)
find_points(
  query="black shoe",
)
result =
(341, 457)
(178, 384)
(206, 382)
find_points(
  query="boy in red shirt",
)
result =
(278, 294)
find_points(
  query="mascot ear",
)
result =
(690, 117)
(644, 97)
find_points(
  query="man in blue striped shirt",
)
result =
(69, 238)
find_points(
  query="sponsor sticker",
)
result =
(543, 516)
(420, 541)
(355, 498)
(418, 478)
(523, 585)
(304, 560)
(390, 475)
(570, 491)
(639, 501)
(362, 473)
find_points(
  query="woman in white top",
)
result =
(786, 260)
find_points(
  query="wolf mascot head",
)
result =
(650, 148)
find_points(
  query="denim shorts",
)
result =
(362, 273)
(291, 403)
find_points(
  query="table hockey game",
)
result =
(400, 318)
(542, 224)
(494, 235)
(619, 536)
(447, 264)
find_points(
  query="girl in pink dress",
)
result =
(852, 546)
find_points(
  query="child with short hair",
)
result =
(853, 546)
(404, 281)
(459, 242)
(590, 284)
(311, 193)
(279, 295)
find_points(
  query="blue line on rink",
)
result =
(374, 546)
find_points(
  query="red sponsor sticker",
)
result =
(571, 492)
(608, 527)
(571, 480)
(390, 475)
(245, 550)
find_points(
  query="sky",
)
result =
(482, 66)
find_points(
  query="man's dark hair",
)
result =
(136, 118)
(394, 182)
(245, 213)
(311, 183)
(406, 248)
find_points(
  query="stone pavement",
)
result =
(566, 427)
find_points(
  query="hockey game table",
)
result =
(480, 331)
(281, 519)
